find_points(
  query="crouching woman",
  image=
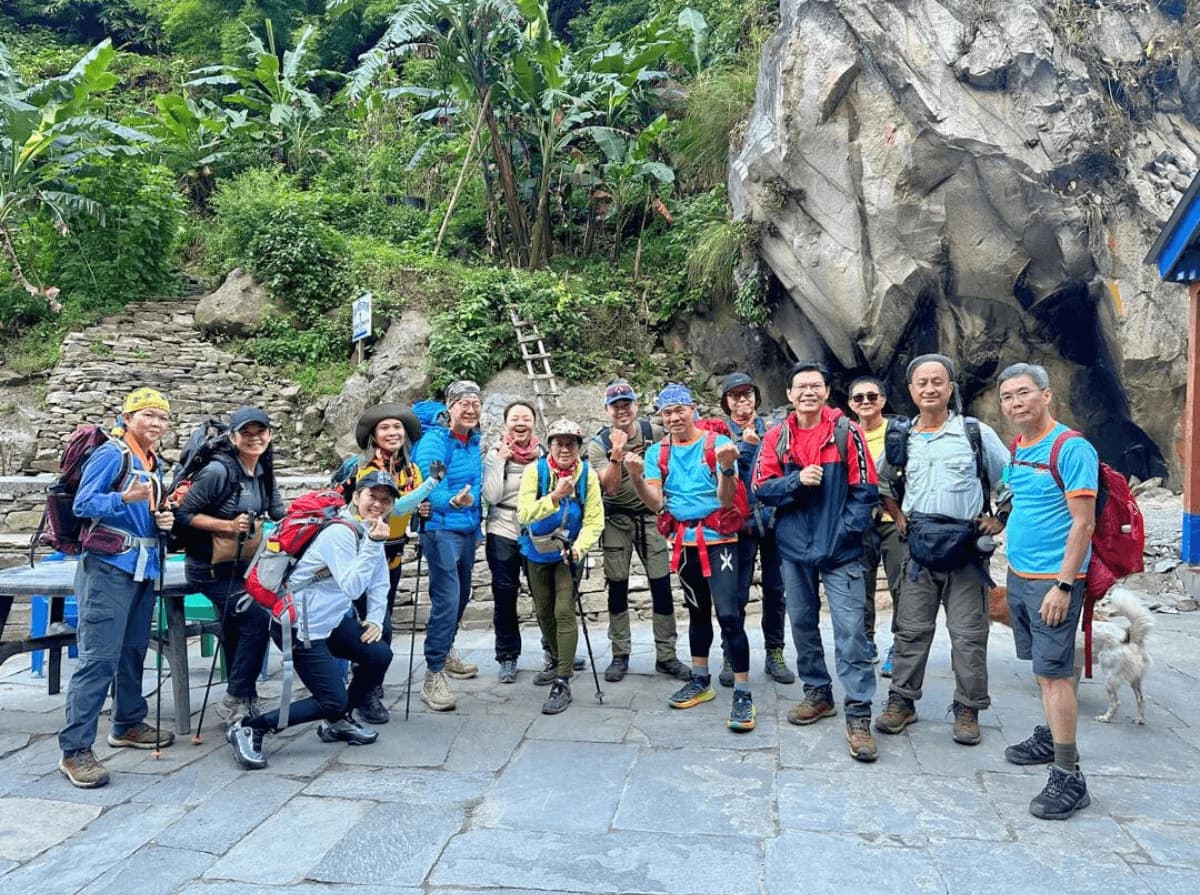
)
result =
(563, 514)
(346, 559)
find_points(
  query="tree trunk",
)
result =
(50, 294)
(462, 176)
(508, 181)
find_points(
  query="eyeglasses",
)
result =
(468, 404)
(815, 387)
(865, 398)
(1019, 395)
(747, 395)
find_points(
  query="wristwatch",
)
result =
(1063, 586)
(728, 470)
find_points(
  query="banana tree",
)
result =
(48, 131)
(191, 135)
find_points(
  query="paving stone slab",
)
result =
(29, 826)
(701, 727)
(1172, 845)
(11, 742)
(394, 844)
(11, 779)
(105, 842)
(300, 756)
(152, 870)
(299, 834)
(937, 753)
(230, 813)
(6, 865)
(1112, 749)
(121, 788)
(1167, 880)
(195, 783)
(616, 862)
(857, 801)
(717, 791)
(1021, 867)
(1135, 798)
(823, 745)
(603, 725)
(422, 742)
(841, 858)
(541, 789)
(415, 786)
(485, 743)
(226, 888)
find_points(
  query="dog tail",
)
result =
(1126, 603)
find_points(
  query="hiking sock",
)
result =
(744, 686)
(1066, 756)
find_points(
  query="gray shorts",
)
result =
(1052, 649)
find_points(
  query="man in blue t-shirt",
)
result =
(705, 560)
(1049, 545)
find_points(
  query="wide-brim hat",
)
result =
(373, 416)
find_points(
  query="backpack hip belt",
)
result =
(104, 540)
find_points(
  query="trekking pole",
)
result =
(412, 637)
(197, 739)
(162, 568)
(561, 537)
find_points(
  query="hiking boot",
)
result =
(142, 736)
(247, 745)
(1036, 749)
(885, 670)
(508, 671)
(897, 714)
(558, 698)
(726, 675)
(858, 735)
(232, 709)
(348, 730)
(742, 713)
(455, 667)
(83, 770)
(617, 669)
(1064, 794)
(674, 668)
(435, 692)
(697, 690)
(966, 724)
(776, 668)
(813, 707)
(579, 663)
(549, 673)
(373, 711)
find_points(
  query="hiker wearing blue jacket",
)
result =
(118, 494)
(450, 536)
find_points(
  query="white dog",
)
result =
(1119, 632)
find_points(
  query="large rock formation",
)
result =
(984, 179)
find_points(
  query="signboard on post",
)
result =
(361, 318)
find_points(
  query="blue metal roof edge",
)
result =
(1180, 229)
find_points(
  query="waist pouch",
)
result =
(941, 543)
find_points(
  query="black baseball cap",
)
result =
(244, 416)
(377, 478)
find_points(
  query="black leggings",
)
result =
(720, 590)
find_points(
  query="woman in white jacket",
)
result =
(343, 562)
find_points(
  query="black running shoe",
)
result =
(374, 711)
(617, 669)
(348, 731)
(1036, 749)
(1065, 793)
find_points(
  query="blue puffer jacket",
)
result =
(464, 466)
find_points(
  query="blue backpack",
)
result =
(569, 517)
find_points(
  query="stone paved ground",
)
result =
(624, 797)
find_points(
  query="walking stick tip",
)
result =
(197, 740)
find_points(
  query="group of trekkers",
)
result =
(819, 501)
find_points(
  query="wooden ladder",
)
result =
(545, 386)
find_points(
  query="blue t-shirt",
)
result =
(1040, 520)
(691, 486)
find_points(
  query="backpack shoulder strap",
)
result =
(647, 431)
(975, 437)
(710, 449)
(664, 458)
(581, 485)
(860, 449)
(604, 438)
(841, 435)
(543, 471)
(1055, 450)
(782, 444)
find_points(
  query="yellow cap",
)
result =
(143, 399)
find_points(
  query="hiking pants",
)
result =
(882, 541)
(245, 635)
(846, 596)
(963, 593)
(504, 560)
(113, 636)
(623, 534)
(317, 669)
(554, 603)
(774, 608)
(719, 591)
(450, 555)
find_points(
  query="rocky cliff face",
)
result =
(983, 179)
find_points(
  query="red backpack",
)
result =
(278, 555)
(59, 527)
(724, 520)
(1118, 541)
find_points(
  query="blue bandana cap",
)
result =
(674, 395)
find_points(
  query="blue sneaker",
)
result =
(742, 713)
(697, 690)
(885, 670)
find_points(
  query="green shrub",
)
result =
(301, 260)
(243, 205)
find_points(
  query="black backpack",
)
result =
(209, 441)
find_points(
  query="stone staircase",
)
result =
(155, 343)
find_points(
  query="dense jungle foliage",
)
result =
(566, 158)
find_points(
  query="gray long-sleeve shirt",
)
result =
(356, 565)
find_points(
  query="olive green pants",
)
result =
(554, 604)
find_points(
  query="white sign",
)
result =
(362, 317)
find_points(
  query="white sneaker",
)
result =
(457, 668)
(435, 692)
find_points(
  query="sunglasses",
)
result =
(865, 398)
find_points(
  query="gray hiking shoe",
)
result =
(347, 730)
(776, 667)
(247, 745)
(508, 671)
(558, 698)
(617, 669)
(549, 673)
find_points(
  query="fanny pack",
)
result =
(941, 543)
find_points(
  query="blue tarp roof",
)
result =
(1176, 252)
